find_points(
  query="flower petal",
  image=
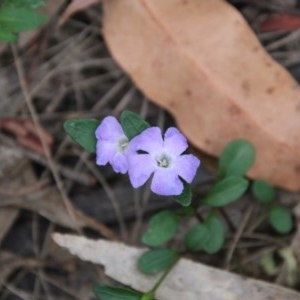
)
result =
(109, 130)
(186, 166)
(175, 142)
(150, 140)
(119, 163)
(104, 152)
(141, 166)
(166, 182)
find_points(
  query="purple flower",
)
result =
(112, 145)
(163, 158)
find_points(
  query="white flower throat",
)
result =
(123, 144)
(163, 161)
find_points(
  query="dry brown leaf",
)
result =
(280, 21)
(46, 201)
(201, 61)
(188, 280)
(74, 7)
(27, 134)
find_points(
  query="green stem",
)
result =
(162, 278)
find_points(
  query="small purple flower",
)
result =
(163, 158)
(112, 145)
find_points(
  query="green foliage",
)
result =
(82, 131)
(185, 198)
(23, 3)
(162, 228)
(148, 296)
(281, 220)
(263, 191)
(226, 191)
(157, 260)
(196, 237)
(7, 36)
(236, 158)
(216, 234)
(105, 292)
(16, 18)
(132, 124)
(208, 236)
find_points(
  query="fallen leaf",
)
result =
(74, 7)
(27, 133)
(46, 201)
(202, 62)
(188, 280)
(283, 21)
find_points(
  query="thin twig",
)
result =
(111, 195)
(67, 172)
(47, 152)
(237, 236)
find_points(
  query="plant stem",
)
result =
(162, 278)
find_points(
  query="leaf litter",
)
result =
(74, 62)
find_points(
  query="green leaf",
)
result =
(15, 19)
(132, 124)
(148, 296)
(268, 264)
(185, 198)
(226, 191)
(236, 158)
(82, 131)
(23, 3)
(105, 292)
(196, 237)
(7, 36)
(162, 228)
(208, 236)
(156, 260)
(281, 220)
(216, 231)
(263, 191)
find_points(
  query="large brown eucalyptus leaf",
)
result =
(200, 60)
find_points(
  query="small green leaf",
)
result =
(281, 220)
(82, 131)
(216, 231)
(185, 198)
(7, 36)
(162, 228)
(268, 264)
(157, 260)
(208, 236)
(226, 191)
(132, 124)
(263, 191)
(15, 19)
(23, 3)
(105, 292)
(236, 158)
(196, 237)
(148, 296)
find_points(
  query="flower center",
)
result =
(123, 144)
(163, 161)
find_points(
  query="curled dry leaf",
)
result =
(74, 7)
(283, 21)
(27, 133)
(201, 61)
(188, 280)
